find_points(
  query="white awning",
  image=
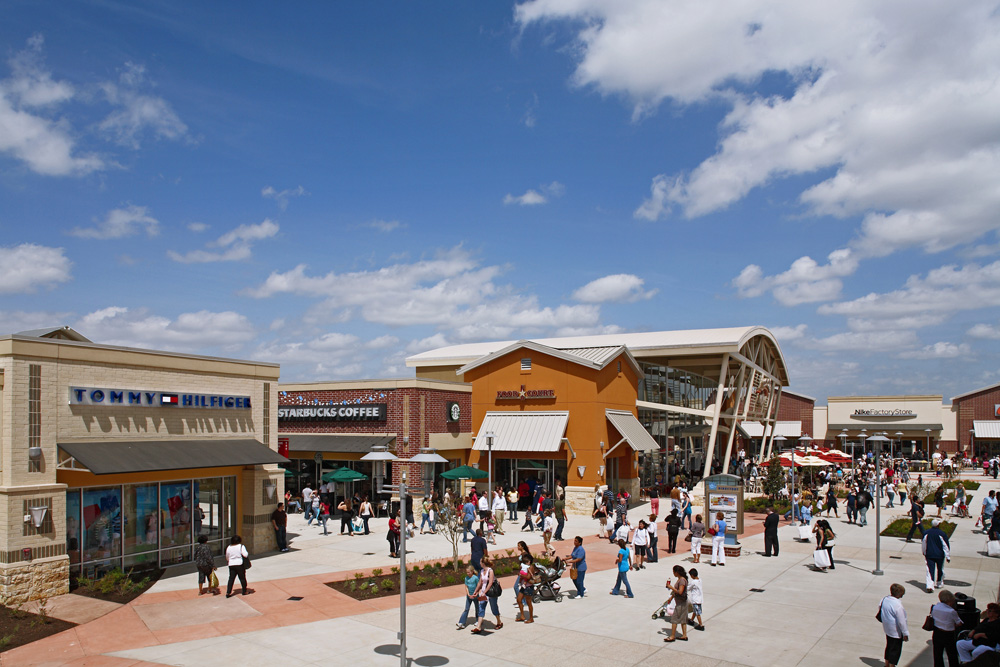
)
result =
(987, 428)
(633, 432)
(757, 430)
(523, 431)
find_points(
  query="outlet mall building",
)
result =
(119, 457)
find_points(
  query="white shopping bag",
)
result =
(993, 548)
(821, 558)
(804, 533)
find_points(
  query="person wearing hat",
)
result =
(936, 550)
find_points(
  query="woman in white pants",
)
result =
(697, 532)
(719, 540)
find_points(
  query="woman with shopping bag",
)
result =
(205, 562)
(825, 541)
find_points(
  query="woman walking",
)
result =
(578, 561)
(525, 590)
(623, 562)
(366, 512)
(471, 586)
(825, 539)
(678, 590)
(346, 514)
(205, 562)
(425, 514)
(674, 523)
(697, 532)
(238, 558)
(685, 509)
(392, 535)
(946, 624)
(719, 540)
(486, 579)
(640, 540)
(654, 540)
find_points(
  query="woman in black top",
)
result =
(673, 527)
(346, 514)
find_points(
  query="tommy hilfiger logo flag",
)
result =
(168, 399)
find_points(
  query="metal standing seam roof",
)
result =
(632, 430)
(541, 431)
(334, 442)
(597, 355)
(110, 457)
(988, 429)
(788, 429)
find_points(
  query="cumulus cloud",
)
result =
(282, 196)
(26, 267)
(618, 288)
(119, 223)
(806, 281)
(987, 331)
(889, 107)
(332, 354)
(189, 332)
(535, 197)
(15, 321)
(31, 130)
(939, 350)
(137, 113)
(866, 342)
(449, 291)
(197, 227)
(234, 245)
(788, 334)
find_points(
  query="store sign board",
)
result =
(371, 412)
(525, 394)
(454, 411)
(105, 397)
(861, 412)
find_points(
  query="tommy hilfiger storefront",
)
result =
(123, 458)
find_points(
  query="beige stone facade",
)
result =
(37, 373)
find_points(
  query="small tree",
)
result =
(775, 480)
(450, 524)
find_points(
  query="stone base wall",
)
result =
(579, 500)
(34, 580)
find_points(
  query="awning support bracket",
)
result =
(615, 447)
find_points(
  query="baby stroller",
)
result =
(665, 610)
(548, 582)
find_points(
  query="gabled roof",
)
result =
(594, 358)
(795, 393)
(974, 391)
(60, 333)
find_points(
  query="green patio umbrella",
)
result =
(464, 472)
(343, 476)
(289, 473)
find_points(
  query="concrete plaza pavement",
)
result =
(800, 616)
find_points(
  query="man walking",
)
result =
(279, 521)
(559, 510)
(307, 495)
(468, 517)
(499, 508)
(894, 624)
(937, 550)
(863, 502)
(770, 533)
(916, 515)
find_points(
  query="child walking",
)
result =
(696, 597)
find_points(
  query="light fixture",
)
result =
(580, 470)
(34, 453)
(269, 488)
(38, 515)
(600, 471)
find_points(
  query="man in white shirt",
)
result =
(307, 494)
(484, 510)
(499, 509)
(894, 624)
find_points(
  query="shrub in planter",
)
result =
(450, 579)
(388, 584)
(421, 580)
(901, 527)
(377, 572)
(436, 581)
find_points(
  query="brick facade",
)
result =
(414, 410)
(796, 408)
(971, 407)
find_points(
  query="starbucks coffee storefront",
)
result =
(122, 458)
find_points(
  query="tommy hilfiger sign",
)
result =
(525, 394)
(371, 412)
(155, 399)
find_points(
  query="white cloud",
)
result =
(788, 334)
(890, 107)
(939, 350)
(987, 331)
(429, 343)
(235, 245)
(26, 267)
(15, 321)
(536, 197)
(944, 291)
(865, 342)
(189, 332)
(332, 354)
(384, 226)
(282, 196)
(382, 342)
(137, 113)
(119, 223)
(30, 131)
(618, 288)
(197, 227)
(805, 281)
(450, 292)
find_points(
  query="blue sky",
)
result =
(336, 186)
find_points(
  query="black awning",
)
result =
(106, 458)
(345, 443)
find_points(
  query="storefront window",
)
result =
(102, 523)
(175, 530)
(229, 489)
(208, 508)
(142, 523)
(73, 526)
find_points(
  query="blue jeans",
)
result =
(560, 522)
(622, 578)
(425, 520)
(512, 511)
(578, 582)
(467, 527)
(481, 607)
(308, 513)
(469, 602)
(863, 516)
(324, 518)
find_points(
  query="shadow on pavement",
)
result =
(424, 661)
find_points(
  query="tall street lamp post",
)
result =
(878, 440)
(805, 439)
(780, 439)
(489, 472)
(379, 456)
(929, 457)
